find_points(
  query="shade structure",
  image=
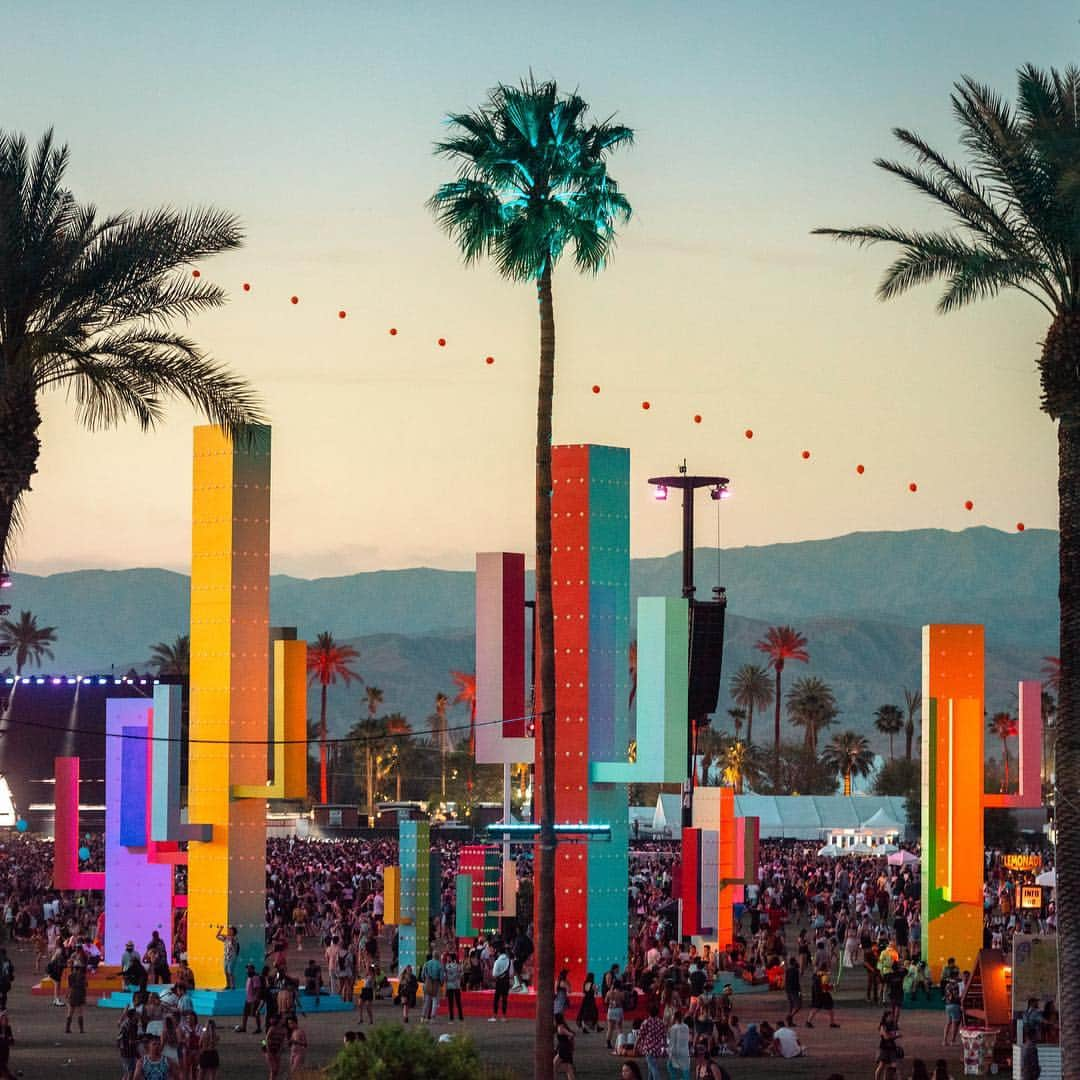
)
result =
(829, 851)
(1047, 879)
(903, 858)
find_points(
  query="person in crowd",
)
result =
(209, 1058)
(564, 1052)
(678, 1045)
(408, 985)
(501, 973)
(888, 1047)
(785, 1040)
(76, 993)
(452, 975)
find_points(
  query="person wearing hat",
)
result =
(76, 993)
(252, 999)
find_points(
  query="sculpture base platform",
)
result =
(231, 1002)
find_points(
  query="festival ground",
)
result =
(43, 1050)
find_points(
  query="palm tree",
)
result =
(466, 695)
(28, 641)
(84, 308)
(780, 644)
(374, 698)
(743, 765)
(849, 754)
(913, 704)
(532, 182)
(811, 705)
(438, 718)
(632, 663)
(1013, 213)
(1003, 725)
(327, 661)
(174, 659)
(751, 688)
(738, 718)
(889, 720)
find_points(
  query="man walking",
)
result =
(452, 970)
(432, 975)
(501, 974)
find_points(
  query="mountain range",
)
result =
(859, 599)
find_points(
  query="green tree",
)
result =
(889, 720)
(532, 183)
(811, 705)
(899, 777)
(85, 304)
(848, 754)
(174, 659)
(913, 705)
(751, 689)
(801, 773)
(395, 1053)
(781, 644)
(327, 661)
(28, 641)
(1013, 225)
(1003, 726)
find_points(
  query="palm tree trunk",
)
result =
(750, 724)
(1005, 756)
(909, 735)
(543, 1068)
(322, 747)
(847, 782)
(369, 783)
(1067, 732)
(892, 756)
(776, 731)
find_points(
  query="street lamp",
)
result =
(706, 622)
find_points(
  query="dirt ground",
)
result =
(43, 1050)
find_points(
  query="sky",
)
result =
(755, 122)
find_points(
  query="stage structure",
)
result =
(953, 781)
(407, 892)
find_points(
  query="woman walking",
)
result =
(408, 984)
(588, 1015)
(209, 1059)
(76, 995)
(821, 999)
(888, 1051)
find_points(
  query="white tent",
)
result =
(902, 858)
(829, 851)
(1047, 879)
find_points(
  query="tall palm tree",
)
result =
(751, 688)
(174, 659)
(438, 718)
(327, 661)
(780, 644)
(849, 754)
(374, 698)
(1013, 214)
(533, 182)
(1004, 726)
(811, 705)
(85, 304)
(913, 705)
(889, 720)
(466, 695)
(28, 641)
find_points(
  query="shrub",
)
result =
(397, 1053)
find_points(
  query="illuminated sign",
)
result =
(1021, 862)
(1031, 896)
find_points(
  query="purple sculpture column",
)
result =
(138, 896)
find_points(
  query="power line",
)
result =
(339, 741)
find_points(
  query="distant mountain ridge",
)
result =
(860, 599)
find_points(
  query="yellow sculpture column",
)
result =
(230, 615)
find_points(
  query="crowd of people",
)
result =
(806, 924)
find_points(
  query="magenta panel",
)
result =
(66, 873)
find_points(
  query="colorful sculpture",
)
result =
(953, 797)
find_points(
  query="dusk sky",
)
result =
(755, 123)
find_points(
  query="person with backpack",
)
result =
(954, 1014)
